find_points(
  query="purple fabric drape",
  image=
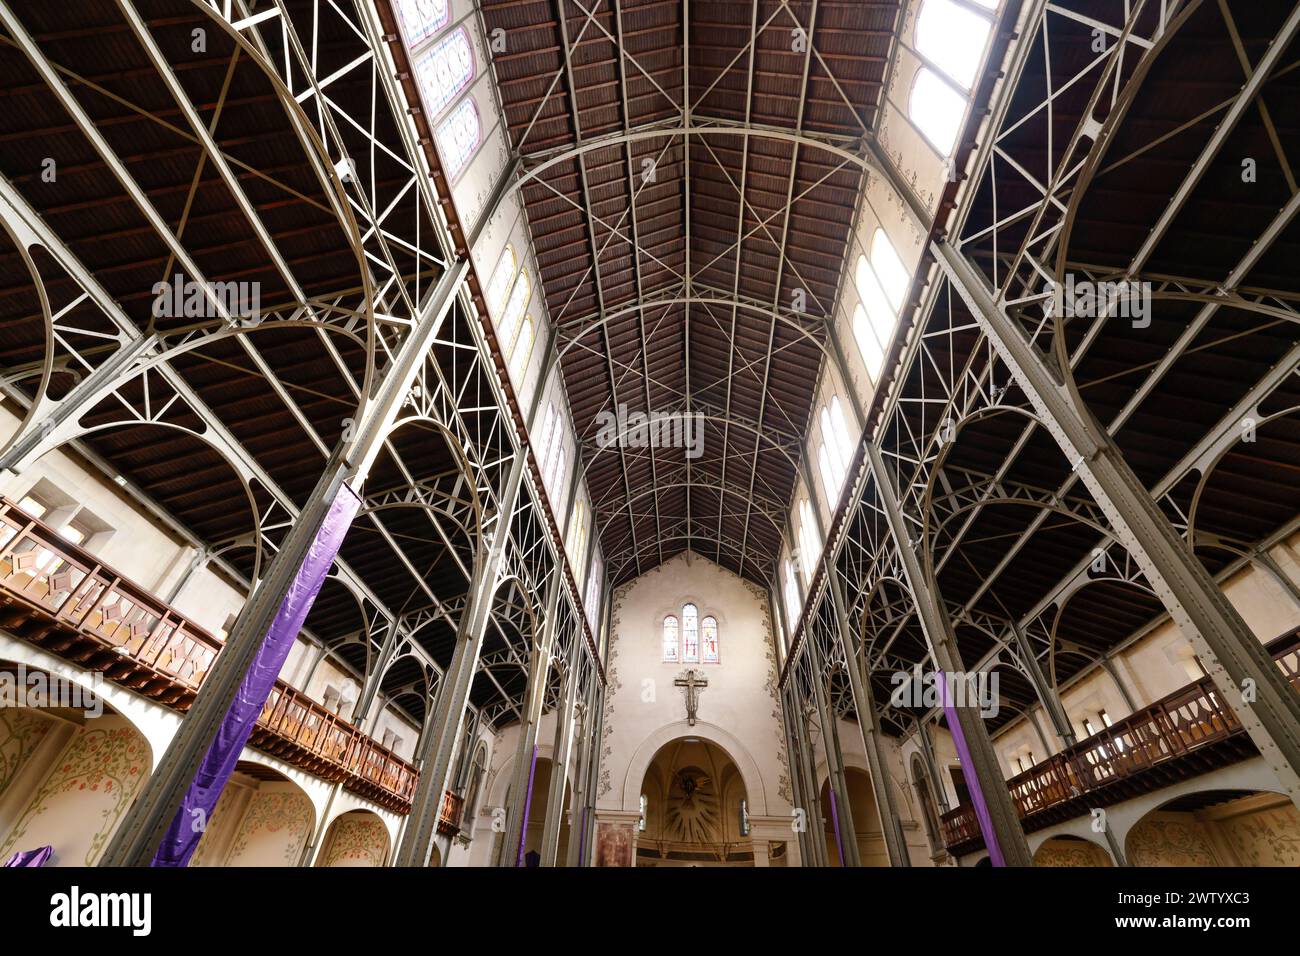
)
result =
(38, 857)
(528, 805)
(835, 820)
(968, 771)
(183, 836)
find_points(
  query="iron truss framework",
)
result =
(272, 144)
(1039, 487)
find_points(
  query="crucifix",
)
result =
(694, 683)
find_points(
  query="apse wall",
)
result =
(645, 709)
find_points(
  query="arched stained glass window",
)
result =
(499, 285)
(444, 70)
(458, 137)
(523, 348)
(709, 635)
(690, 634)
(508, 327)
(421, 19)
(672, 652)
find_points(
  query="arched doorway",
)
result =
(866, 821)
(929, 810)
(262, 819)
(1068, 850)
(67, 773)
(694, 808)
(536, 830)
(1218, 828)
(356, 838)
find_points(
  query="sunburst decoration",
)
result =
(694, 815)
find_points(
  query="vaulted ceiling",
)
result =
(682, 208)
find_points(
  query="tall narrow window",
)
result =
(792, 602)
(556, 479)
(830, 480)
(508, 327)
(672, 650)
(709, 636)
(523, 349)
(951, 36)
(444, 70)
(808, 550)
(869, 347)
(744, 818)
(550, 425)
(578, 536)
(502, 277)
(937, 109)
(893, 275)
(840, 429)
(645, 805)
(421, 19)
(458, 137)
(690, 634)
(592, 600)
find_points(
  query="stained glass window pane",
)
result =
(499, 284)
(523, 348)
(709, 632)
(458, 136)
(508, 327)
(690, 634)
(444, 70)
(421, 19)
(670, 640)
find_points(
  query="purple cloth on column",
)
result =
(182, 837)
(835, 820)
(968, 771)
(528, 805)
(38, 857)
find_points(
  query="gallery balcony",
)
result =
(58, 596)
(1183, 735)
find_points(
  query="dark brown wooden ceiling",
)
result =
(639, 231)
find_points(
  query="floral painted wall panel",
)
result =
(21, 732)
(274, 830)
(359, 839)
(1057, 852)
(212, 848)
(84, 796)
(1170, 841)
(1268, 837)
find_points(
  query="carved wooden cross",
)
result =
(693, 683)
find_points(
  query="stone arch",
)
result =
(1210, 826)
(739, 754)
(263, 818)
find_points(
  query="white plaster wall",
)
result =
(738, 710)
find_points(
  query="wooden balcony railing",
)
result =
(56, 595)
(449, 814)
(1128, 757)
